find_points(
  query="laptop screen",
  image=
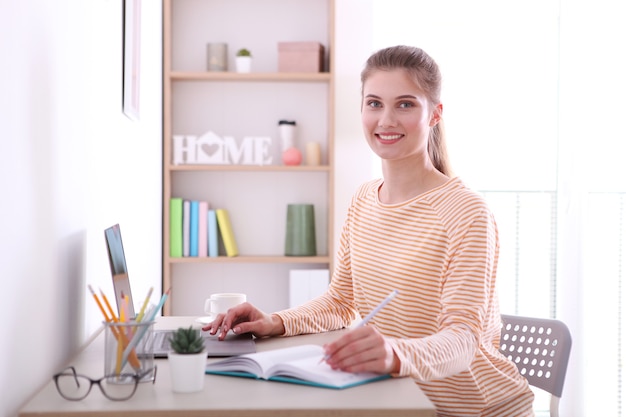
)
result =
(117, 261)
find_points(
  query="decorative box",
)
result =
(300, 57)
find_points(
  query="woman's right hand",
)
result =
(246, 318)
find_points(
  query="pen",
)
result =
(379, 307)
(371, 315)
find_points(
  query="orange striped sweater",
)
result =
(440, 251)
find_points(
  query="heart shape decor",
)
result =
(210, 150)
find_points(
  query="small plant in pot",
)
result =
(187, 360)
(243, 60)
(244, 52)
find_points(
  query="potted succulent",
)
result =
(243, 60)
(187, 360)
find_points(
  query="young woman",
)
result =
(422, 232)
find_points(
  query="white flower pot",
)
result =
(243, 63)
(187, 371)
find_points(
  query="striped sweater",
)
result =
(440, 251)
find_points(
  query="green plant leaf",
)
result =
(243, 52)
(187, 341)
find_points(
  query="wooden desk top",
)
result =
(231, 396)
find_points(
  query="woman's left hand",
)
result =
(363, 349)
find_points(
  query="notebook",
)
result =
(231, 346)
(302, 364)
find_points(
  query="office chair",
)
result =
(540, 349)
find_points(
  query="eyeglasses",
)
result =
(75, 387)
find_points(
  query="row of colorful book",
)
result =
(196, 230)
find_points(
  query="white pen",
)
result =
(371, 314)
(378, 308)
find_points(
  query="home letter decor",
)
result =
(212, 149)
(184, 149)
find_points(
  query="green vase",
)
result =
(300, 231)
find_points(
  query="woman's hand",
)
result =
(363, 349)
(246, 318)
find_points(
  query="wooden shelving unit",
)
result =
(196, 101)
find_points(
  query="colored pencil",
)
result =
(145, 304)
(142, 331)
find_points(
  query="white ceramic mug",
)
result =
(221, 302)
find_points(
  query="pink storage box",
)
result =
(300, 57)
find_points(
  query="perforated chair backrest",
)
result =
(539, 348)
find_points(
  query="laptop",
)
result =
(232, 345)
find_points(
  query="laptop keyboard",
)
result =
(162, 341)
(233, 345)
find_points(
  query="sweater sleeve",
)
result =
(466, 293)
(332, 310)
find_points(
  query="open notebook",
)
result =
(297, 364)
(233, 344)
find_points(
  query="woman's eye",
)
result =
(406, 105)
(374, 103)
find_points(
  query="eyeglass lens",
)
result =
(77, 387)
(119, 387)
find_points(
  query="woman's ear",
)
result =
(436, 116)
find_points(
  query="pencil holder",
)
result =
(129, 350)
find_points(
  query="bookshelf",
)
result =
(239, 105)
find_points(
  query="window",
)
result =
(534, 110)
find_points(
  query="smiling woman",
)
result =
(534, 121)
(414, 105)
(423, 234)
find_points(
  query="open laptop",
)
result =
(231, 346)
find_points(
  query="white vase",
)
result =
(187, 371)
(243, 63)
(287, 134)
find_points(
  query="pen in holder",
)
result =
(140, 358)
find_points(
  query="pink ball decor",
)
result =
(292, 156)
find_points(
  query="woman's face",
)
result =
(396, 115)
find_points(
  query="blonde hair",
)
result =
(426, 74)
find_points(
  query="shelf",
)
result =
(236, 105)
(254, 259)
(248, 168)
(260, 76)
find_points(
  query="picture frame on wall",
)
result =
(131, 58)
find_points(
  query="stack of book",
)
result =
(196, 230)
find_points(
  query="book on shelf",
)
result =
(297, 365)
(176, 227)
(226, 232)
(203, 208)
(193, 227)
(212, 234)
(186, 224)
(197, 231)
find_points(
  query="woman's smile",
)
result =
(389, 137)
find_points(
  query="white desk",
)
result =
(231, 396)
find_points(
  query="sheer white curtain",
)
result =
(535, 111)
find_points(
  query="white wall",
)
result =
(353, 157)
(73, 165)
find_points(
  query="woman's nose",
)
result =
(387, 118)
